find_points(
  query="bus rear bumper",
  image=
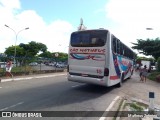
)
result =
(81, 79)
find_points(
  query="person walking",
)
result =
(9, 68)
(140, 74)
(144, 73)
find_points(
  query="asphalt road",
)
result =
(54, 94)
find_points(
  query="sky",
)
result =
(52, 21)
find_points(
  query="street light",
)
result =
(149, 28)
(16, 33)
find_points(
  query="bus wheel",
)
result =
(121, 80)
(131, 75)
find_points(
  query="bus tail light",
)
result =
(106, 71)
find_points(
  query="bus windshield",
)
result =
(94, 38)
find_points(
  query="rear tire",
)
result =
(121, 80)
(131, 75)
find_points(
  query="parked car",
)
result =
(33, 64)
(58, 65)
(153, 67)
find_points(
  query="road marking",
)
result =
(78, 85)
(109, 107)
(11, 106)
(0, 87)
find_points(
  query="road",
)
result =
(54, 94)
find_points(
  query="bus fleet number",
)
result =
(99, 71)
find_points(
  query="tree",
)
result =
(24, 51)
(10, 51)
(148, 47)
(33, 48)
(46, 54)
(61, 56)
(158, 67)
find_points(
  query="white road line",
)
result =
(78, 85)
(11, 106)
(0, 87)
(6, 80)
(109, 107)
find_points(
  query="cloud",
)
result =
(10, 4)
(132, 17)
(55, 34)
(134, 11)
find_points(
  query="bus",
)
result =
(98, 57)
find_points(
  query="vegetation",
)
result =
(148, 47)
(158, 62)
(32, 51)
(153, 75)
(136, 107)
(22, 69)
(26, 50)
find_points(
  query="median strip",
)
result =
(109, 108)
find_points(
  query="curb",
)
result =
(18, 78)
(112, 107)
(121, 108)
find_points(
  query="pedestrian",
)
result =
(9, 68)
(137, 67)
(145, 73)
(140, 74)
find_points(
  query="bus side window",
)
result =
(125, 51)
(122, 49)
(114, 46)
(118, 46)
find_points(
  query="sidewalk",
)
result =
(143, 88)
(26, 77)
(135, 91)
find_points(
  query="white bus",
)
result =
(98, 57)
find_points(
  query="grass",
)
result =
(152, 75)
(136, 107)
(21, 69)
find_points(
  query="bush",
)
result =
(158, 66)
(158, 78)
(136, 107)
(153, 75)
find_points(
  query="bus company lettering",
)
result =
(75, 50)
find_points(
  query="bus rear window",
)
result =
(96, 38)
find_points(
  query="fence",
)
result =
(33, 65)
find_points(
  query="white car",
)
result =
(33, 64)
(153, 67)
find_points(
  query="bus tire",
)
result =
(131, 75)
(121, 80)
